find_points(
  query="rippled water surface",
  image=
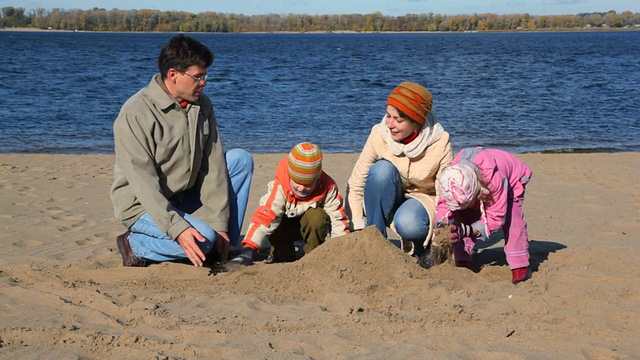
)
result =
(522, 92)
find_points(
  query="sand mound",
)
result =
(361, 261)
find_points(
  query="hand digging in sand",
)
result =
(440, 250)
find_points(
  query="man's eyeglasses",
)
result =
(200, 79)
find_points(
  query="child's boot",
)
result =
(520, 275)
(462, 254)
(281, 254)
(245, 258)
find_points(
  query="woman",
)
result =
(393, 183)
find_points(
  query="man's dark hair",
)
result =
(182, 52)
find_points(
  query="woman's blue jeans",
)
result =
(149, 242)
(384, 202)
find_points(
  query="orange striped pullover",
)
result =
(280, 200)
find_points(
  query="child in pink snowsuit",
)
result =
(480, 196)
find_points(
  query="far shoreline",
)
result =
(592, 29)
(580, 151)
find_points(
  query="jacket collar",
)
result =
(159, 92)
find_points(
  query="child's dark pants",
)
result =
(312, 227)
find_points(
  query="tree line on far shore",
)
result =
(99, 19)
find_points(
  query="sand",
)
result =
(65, 295)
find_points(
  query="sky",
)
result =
(317, 7)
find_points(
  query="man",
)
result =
(170, 163)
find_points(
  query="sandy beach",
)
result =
(65, 295)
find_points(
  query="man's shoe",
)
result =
(128, 257)
(520, 275)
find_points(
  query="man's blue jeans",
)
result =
(149, 242)
(384, 201)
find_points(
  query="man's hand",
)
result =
(187, 240)
(223, 243)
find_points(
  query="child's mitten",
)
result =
(460, 231)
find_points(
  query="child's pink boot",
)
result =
(520, 274)
(463, 253)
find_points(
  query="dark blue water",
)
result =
(522, 92)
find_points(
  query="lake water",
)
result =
(522, 92)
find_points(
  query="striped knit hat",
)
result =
(412, 99)
(458, 186)
(305, 163)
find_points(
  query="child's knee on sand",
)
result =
(314, 226)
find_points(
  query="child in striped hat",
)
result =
(481, 196)
(301, 203)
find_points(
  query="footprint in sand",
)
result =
(106, 250)
(100, 262)
(68, 222)
(82, 222)
(54, 210)
(87, 241)
(6, 280)
(69, 218)
(22, 203)
(27, 244)
(105, 235)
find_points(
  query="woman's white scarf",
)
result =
(431, 132)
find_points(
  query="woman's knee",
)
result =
(412, 222)
(382, 172)
(410, 229)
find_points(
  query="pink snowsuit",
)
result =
(506, 177)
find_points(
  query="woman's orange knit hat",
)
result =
(412, 99)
